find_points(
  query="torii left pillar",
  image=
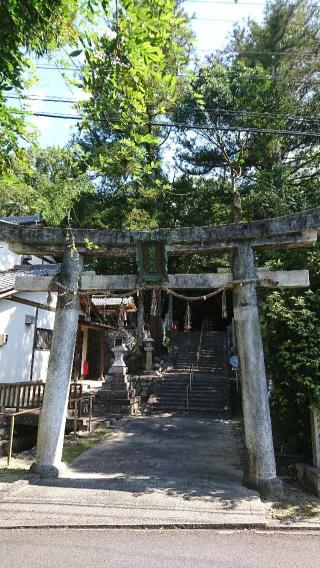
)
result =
(54, 410)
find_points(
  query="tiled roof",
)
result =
(7, 280)
(8, 277)
(24, 219)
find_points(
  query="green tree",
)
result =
(266, 79)
(291, 326)
(27, 27)
(133, 74)
(48, 182)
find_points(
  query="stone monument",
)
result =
(116, 395)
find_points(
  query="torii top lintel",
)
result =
(296, 230)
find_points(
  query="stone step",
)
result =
(219, 387)
(210, 385)
(215, 397)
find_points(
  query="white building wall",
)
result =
(16, 354)
(8, 259)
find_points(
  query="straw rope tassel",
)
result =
(224, 305)
(187, 319)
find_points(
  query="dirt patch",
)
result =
(297, 505)
(21, 463)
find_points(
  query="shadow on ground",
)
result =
(151, 471)
(180, 456)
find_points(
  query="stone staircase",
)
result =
(209, 392)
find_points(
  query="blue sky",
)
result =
(214, 20)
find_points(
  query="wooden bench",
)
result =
(21, 396)
(25, 395)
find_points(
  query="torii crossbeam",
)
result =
(240, 240)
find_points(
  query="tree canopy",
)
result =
(132, 72)
(27, 27)
(243, 142)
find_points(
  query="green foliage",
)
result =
(291, 329)
(31, 26)
(275, 73)
(131, 72)
(46, 181)
(28, 26)
(74, 447)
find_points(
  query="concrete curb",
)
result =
(264, 527)
(294, 526)
(144, 526)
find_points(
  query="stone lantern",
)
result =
(117, 396)
(118, 366)
(148, 347)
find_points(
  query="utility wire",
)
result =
(258, 52)
(50, 99)
(230, 72)
(213, 110)
(232, 3)
(239, 4)
(184, 126)
(286, 51)
(224, 20)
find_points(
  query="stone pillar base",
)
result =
(309, 477)
(271, 489)
(116, 407)
(47, 471)
(116, 397)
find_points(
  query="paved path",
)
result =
(155, 470)
(157, 549)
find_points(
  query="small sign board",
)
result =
(151, 261)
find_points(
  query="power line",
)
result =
(214, 110)
(241, 52)
(223, 20)
(245, 112)
(56, 67)
(231, 72)
(238, 5)
(257, 52)
(232, 3)
(49, 99)
(183, 126)
(259, 78)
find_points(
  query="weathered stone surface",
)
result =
(285, 278)
(115, 242)
(258, 434)
(315, 436)
(54, 411)
(309, 477)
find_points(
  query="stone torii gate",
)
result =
(240, 241)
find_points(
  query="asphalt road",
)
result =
(57, 548)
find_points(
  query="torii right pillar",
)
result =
(261, 474)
